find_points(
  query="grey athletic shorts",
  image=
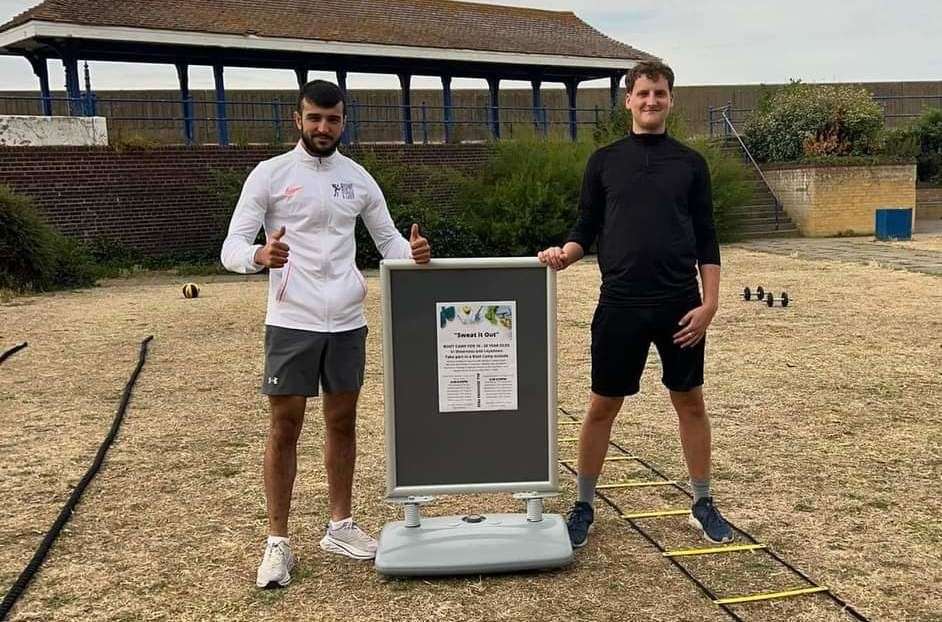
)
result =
(298, 362)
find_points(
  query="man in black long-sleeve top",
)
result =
(647, 200)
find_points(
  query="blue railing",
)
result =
(200, 121)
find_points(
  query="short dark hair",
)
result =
(651, 69)
(322, 93)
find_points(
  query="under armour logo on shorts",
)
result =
(273, 380)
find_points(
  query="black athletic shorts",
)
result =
(621, 338)
(300, 362)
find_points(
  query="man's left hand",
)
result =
(694, 326)
(421, 251)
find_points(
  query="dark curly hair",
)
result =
(653, 70)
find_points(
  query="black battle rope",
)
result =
(12, 351)
(846, 608)
(33, 566)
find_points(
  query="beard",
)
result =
(315, 150)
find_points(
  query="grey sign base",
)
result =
(449, 545)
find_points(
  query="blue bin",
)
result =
(894, 224)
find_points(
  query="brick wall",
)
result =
(163, 200)
(841, 200)
(928, 203)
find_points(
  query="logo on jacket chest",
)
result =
(343, 191)
(291, 191)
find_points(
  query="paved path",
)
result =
(853, 250)
(931, 227)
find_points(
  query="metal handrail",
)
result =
(778, 203)
(729, 107)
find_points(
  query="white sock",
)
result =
(341, 523)
(277, 540)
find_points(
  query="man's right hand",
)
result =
(555, 257)
(275, 253)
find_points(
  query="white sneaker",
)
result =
(349, 540)
(276, 567)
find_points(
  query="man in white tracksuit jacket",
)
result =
(308, 201)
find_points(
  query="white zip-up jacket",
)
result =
(317, 200)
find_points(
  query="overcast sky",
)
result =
(706, 42)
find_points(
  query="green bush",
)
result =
(114, 259)
(618, 123)
(929, 130)
(922, 143)
(34, 257)
(928, 133)
(732, 187)
(74, 266)
(226, 188)
(448, 234)
(929, 168)
(122, 142)
(527, 196)
(900, 143)
(804, 120)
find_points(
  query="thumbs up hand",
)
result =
(421, 251)
(275, 253)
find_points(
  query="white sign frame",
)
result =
(393, 489)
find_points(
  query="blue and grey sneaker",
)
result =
(579, 523)
(705, 517)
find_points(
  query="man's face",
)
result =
(650, 101)
(320, 127)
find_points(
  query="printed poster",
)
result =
(477, 356)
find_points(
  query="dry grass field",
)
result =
(827, 420)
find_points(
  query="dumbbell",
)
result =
(747, 293)
(770, 299)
